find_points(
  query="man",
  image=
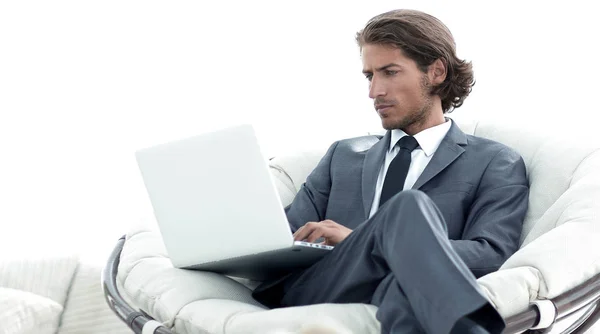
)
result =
(416, 215)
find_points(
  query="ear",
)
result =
(437, 71)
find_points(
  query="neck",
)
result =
(434, 117)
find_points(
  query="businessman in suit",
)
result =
(418, 214)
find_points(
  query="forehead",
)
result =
(376, 55)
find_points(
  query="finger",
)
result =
(298, 231)
(329, 222)
(304, 231)
(317, 233)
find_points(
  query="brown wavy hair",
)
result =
(424, 39)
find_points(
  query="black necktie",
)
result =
(398, 169)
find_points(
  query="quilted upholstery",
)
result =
(558, 247)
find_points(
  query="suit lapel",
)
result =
(370, 172)
(450, 148)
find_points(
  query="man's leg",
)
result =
(395, 312)
(406, 238)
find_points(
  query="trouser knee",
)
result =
(406, 200)
(409, 204)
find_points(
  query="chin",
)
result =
(386, 123)
(389, 124)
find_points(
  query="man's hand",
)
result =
(333, 232)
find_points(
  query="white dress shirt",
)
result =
(429, 140)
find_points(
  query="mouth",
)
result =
(382, 108)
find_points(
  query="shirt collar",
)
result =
(429, 139)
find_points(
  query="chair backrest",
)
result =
(563, 172)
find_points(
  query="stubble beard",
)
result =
(419, 115)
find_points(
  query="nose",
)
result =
(376, 88)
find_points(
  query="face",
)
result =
(400, 91)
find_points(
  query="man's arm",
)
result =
(310, 204)
(495, 219)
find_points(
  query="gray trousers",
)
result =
(399, 260)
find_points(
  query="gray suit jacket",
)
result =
(480, 187)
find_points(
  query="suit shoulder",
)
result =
(358, 144)
(491, 148)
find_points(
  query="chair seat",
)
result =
(200, 302)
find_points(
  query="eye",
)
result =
(390, 73)
(369, 77)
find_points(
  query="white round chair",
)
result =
(552, 284)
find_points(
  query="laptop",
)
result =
(218, 209)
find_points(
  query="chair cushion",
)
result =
(150, 280)
(555, 163)
(23, 312)
(227, 316)
(199, 302)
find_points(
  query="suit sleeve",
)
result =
(493, 227)
(310, 204)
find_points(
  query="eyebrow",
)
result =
(382, 68)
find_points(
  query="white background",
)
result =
(83, 84)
